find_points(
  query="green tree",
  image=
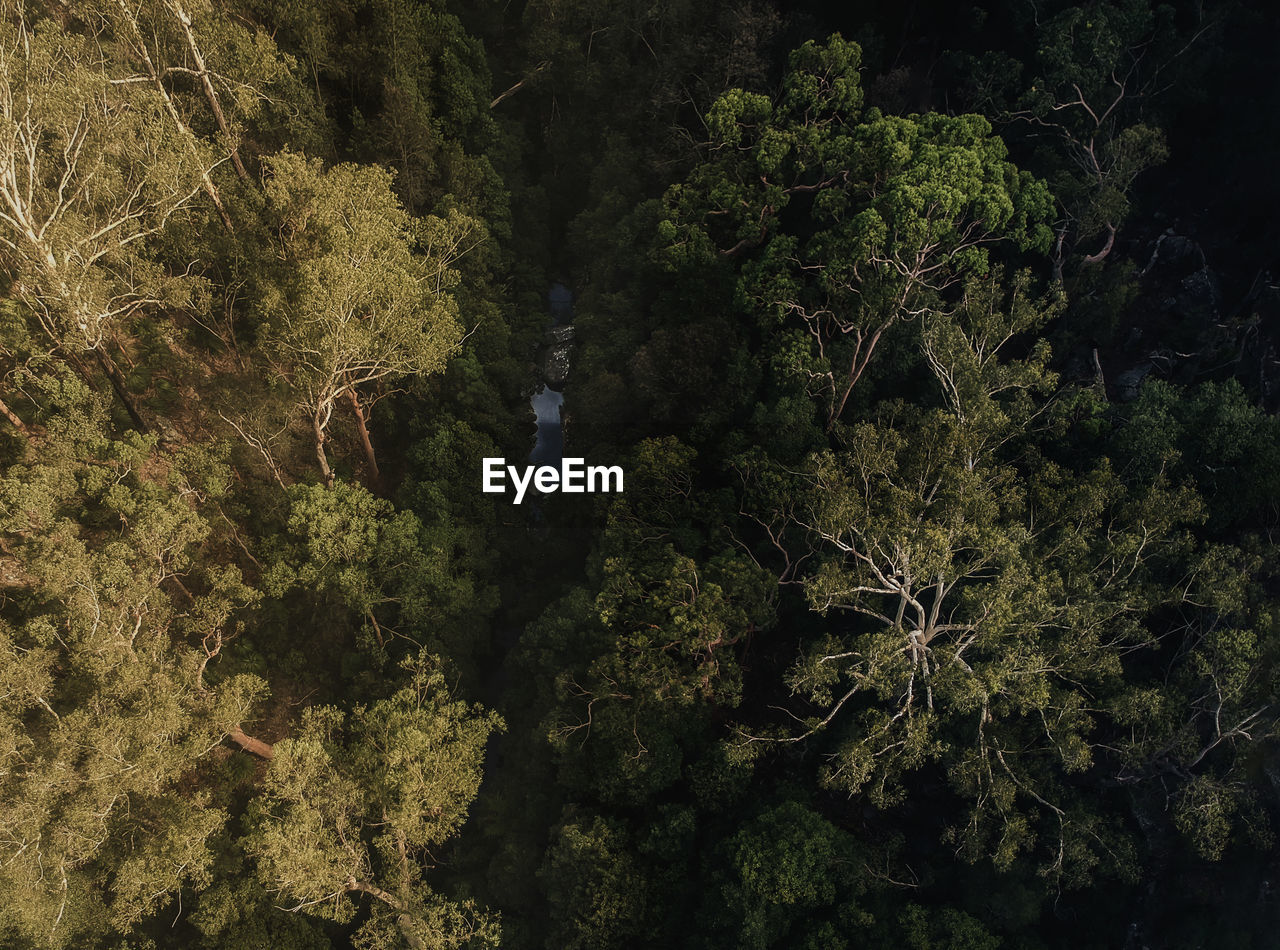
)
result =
(112, 624)
(596, 892)
(354, 804)
(1194, 727)
(989, 592)
(945, 929)
(218, 77)
(658, 648)
(348, 548)
(847, 221)
(91, 171)
(368, 297)
(1091, 88)
(793, 881)
(413, 88)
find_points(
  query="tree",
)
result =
(658, 647)
(789, 871)
(988, 591)
(202, 67)
(597, 895)
(130, 31)
(1192, 726)
(847, 222)
(346, 548)
(354, 804)
(1098, 70)
(431, 81)
(91, 169)
(111, 625)
(177, 11)
(359, 305)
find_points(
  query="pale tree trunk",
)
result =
(375, 477)
(14, 420)
(210, 188)
(1106, 248)
(210, 93)
(402, 919)
(263, 750)
(364, 887)
(859, 365)
(317, 429)
(520, 85)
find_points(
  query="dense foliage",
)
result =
(937, 342)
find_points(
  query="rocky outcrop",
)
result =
(553, 362)
(1181, 328)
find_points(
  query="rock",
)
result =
(1202, 290)
(555, 370)
(558, 335)
(1128, 383)
(1176, 252)
(554, 365)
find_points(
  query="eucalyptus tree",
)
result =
(131, 34)
(199, 64)
(113, 622)
(91, 171)
(846, 221)
(361, 562)
(985, 594)
(1088, 98)
(367, 294)
(639, 669)
(354, 804)
(1193, 728)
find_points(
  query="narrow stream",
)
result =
(547, 401)
(548, 446)
(540, 572)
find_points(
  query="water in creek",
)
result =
(561, 304)
(548, 447)
(547, 403)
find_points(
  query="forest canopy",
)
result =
(936, 341)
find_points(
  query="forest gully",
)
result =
(936, 344)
